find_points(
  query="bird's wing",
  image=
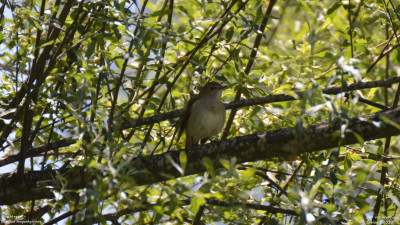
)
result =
(184, 118)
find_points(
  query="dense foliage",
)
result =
(74, 72)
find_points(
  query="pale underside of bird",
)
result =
(204, 116)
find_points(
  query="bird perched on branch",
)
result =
(204, 116)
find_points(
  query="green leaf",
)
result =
(359, 138)
(333, 178)
(196, 203)
(388, 121)
(333, 157)
(379, 151)
(208, 163)
(90, 49)
(356, 23)
(249, 172)
(225, 163)
(117, 33)
(160, 13)
(229, 34)
(315, 188)
(183, 159)
(368, 161)
(355, 157)
(48, 43)
(362, 48)
(374, 182)
(237, 67)
(332, 11)
(347, 162)
(220, 78)
(122, 151)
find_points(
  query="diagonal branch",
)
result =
(249, 64)
(332, 90)
(235, 104)
(38, 150)
(270, 144)
(261, 146)
(116, 215)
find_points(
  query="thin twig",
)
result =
(249, 64)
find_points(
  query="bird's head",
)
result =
(212, 89)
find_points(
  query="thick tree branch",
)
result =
(262, 146)
(234, 104)
(33, 185)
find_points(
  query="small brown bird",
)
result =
(205, 115)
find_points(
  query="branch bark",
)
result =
(332, 90)
(213, 202)
(234, 104)
(38, 150)
(260, 146)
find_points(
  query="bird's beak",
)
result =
(223, 87)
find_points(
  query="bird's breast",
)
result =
(207, 118)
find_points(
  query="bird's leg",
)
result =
(203, 141)
(213, 142)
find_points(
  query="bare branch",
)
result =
(213, 202)
(38, 150)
